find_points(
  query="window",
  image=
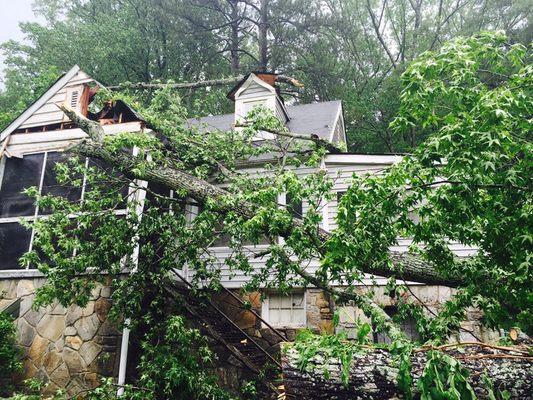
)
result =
(294, 206)
(17, 174)
(285, 310)
(50, 184)
(408, 326)
(14, 242)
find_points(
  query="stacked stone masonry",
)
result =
(69, 348)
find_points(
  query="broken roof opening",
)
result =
(76, 89)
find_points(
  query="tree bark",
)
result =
(373, 374)
(408, 267)
(263, 35)
(234, 41)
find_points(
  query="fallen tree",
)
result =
(373, 373)
(458, 192)
(199, 84)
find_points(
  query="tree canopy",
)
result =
(350, 50)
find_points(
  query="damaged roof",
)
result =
(77, 89)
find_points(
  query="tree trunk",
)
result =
(263, 35)
(373, 374)
(407, 268)
(234, 50)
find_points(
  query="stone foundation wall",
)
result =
(320, 309)
(70, 348)
(433, 297)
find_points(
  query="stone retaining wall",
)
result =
(70, 348)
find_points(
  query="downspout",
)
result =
(123, 359)
(124, 345)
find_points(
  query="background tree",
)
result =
(352, 50)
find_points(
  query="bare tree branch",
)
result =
(379, 35)
(200, 84)
(332, 148)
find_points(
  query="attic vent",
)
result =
(74, 98)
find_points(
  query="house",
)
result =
(66, 346)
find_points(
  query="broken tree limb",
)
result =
(373, 373)
(200, 84)
(407, 266)
(326, 144)
(92, 128)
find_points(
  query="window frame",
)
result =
(265, 310)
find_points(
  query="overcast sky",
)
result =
(11, 13)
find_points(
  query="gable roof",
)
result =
(315, 118)
(74, 76)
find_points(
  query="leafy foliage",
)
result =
(9, 353)
(444, 378)
(365, 45)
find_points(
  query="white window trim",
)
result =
(265, 311)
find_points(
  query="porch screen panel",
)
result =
(19, 174)
(14, 242)
(51, 184)
(114, 180)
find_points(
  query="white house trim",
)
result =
(254, 78)
(370, 159)
(336, 121)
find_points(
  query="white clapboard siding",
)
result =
(49, 113)
(236, 279)
(342, 175)
(254, 90)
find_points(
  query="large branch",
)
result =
(379, 35)
(373, 373)
(200, 84)
(92, 128)
(406, 267)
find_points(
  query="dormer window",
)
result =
(257, 90)
(248, 106)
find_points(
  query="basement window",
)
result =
(285, 310)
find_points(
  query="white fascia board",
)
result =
(72, 134)
(335, 122)
(362, 159)
(40, 102)
(45, 141)
(253, 78)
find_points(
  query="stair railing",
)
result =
(223, 314)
